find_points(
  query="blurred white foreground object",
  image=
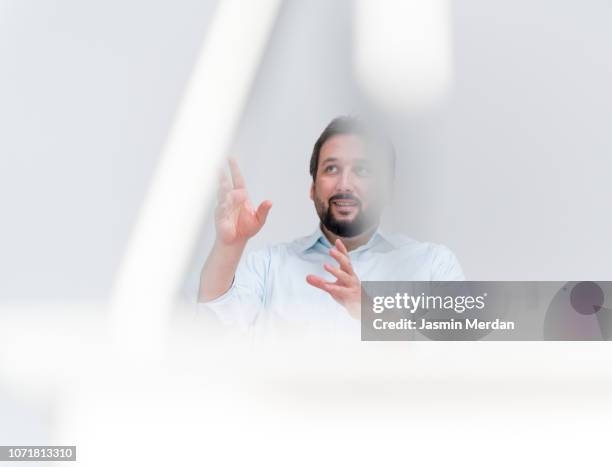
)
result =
(168, 224)
(402, 52)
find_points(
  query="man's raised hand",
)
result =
(235, 218)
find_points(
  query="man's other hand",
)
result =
(347, 288)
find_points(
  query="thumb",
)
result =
(262, 211)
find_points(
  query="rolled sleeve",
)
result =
(243, 301)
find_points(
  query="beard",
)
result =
(343, 228)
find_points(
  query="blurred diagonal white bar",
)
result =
(402, 52)
(167, 226)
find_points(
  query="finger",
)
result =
(237, 177)
(225, 186)
(319, 282)
(343, 260)
(342, 276)
(316, 281)
(262, 211)
(341, 247)
(222, 175)
(336, 291)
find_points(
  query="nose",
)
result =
(345, 182)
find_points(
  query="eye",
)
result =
(330, 169)
(362, 171)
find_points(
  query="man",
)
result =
(314, 281)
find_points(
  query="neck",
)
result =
(350, 243)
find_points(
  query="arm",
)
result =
(219, 270)
(236, 221)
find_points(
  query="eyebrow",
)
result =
(335, 159)
(329, 159)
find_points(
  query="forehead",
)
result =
(344, 147)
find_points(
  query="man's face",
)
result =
(350, 188)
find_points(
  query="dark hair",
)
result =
(350, 125)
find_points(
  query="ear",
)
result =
(312, 191)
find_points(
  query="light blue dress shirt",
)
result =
(270, 294)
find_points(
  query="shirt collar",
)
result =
(311, 240)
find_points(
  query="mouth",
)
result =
(345, 206)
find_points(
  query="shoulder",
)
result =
(408, 244)
(441, 259)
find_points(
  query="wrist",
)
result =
(354, 310)
(237, 245)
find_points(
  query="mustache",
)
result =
(344, 196)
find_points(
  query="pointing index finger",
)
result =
(237, 177)
(343, 259)
(341, 247)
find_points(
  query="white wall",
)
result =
(512, 173)
(87, 91)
